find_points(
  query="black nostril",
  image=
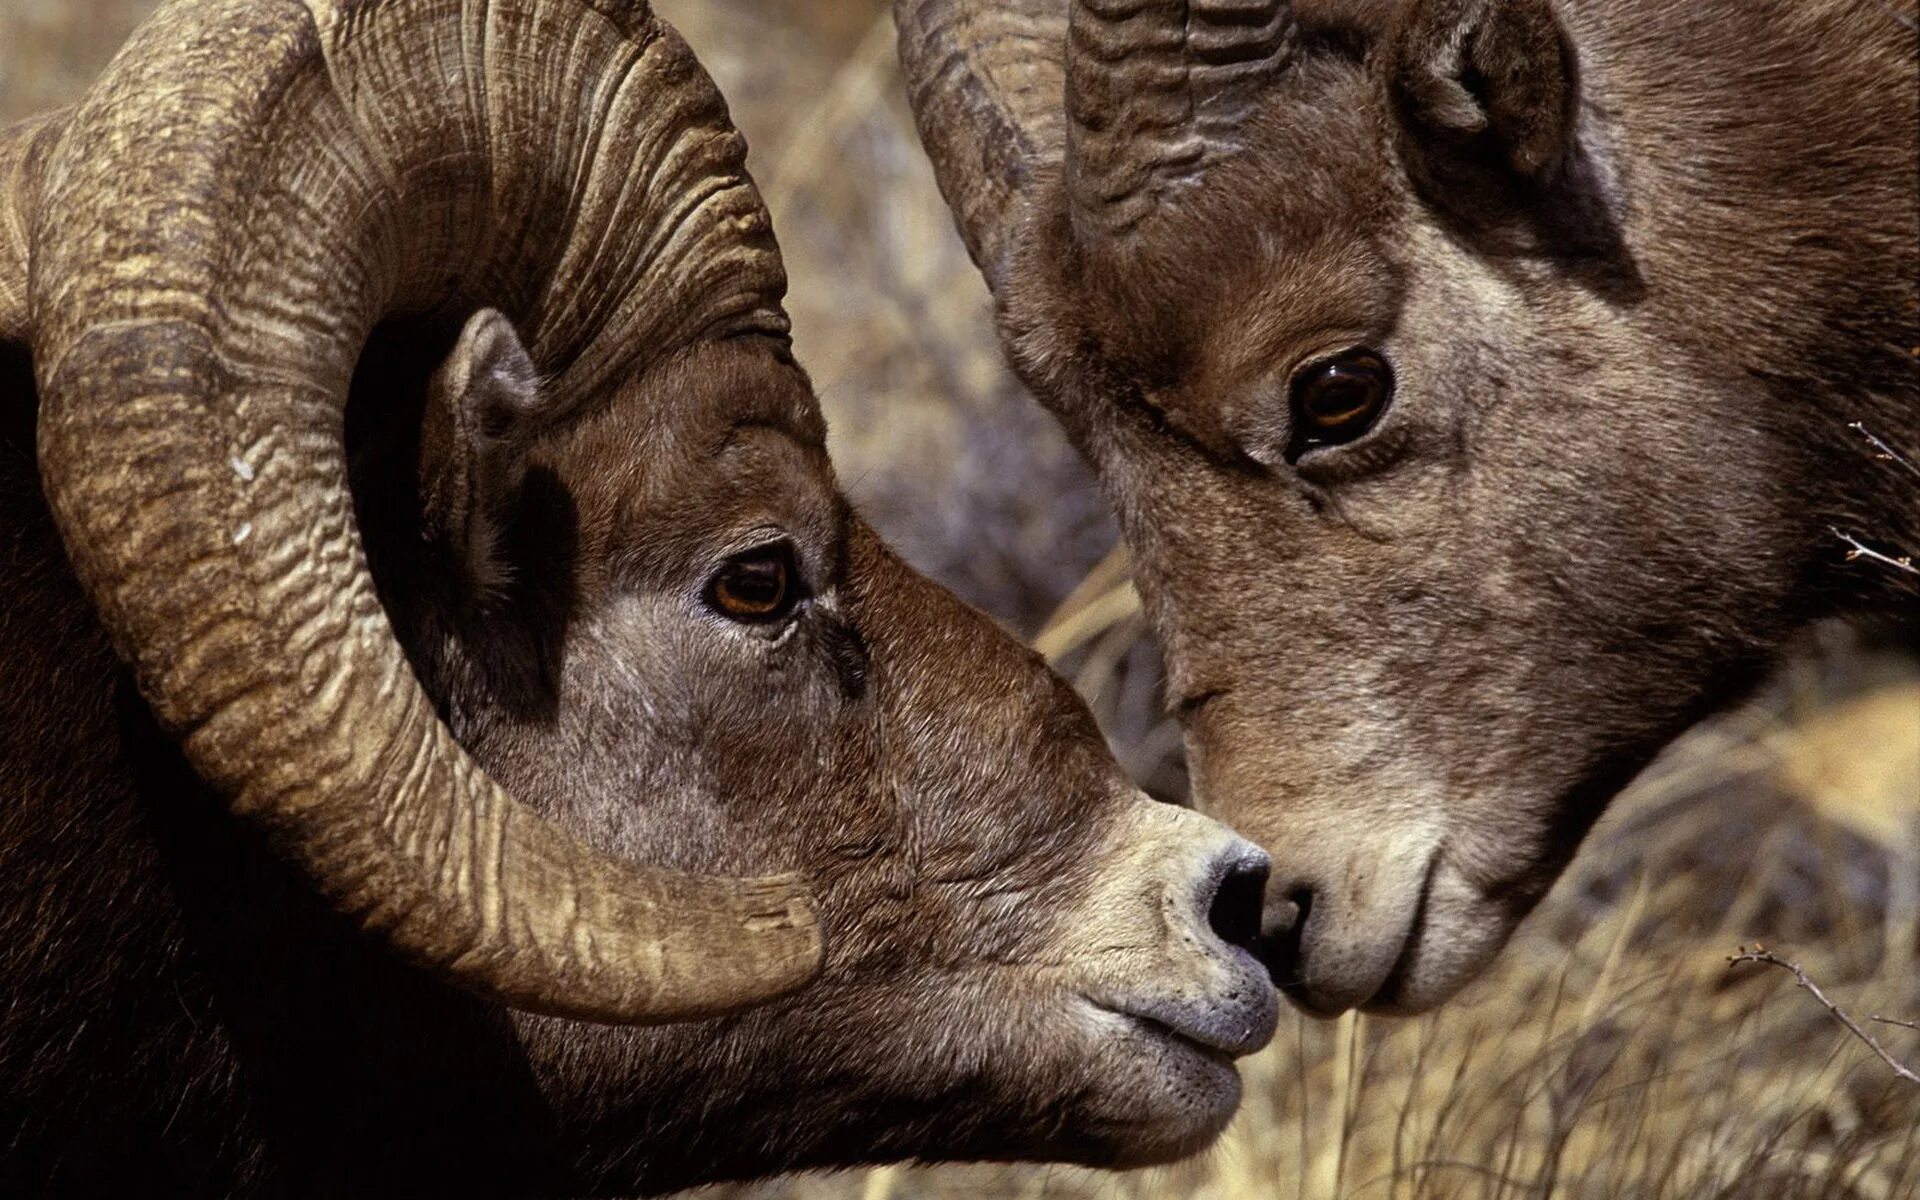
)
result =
(1235, 911)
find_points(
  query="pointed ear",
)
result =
(1483, 86)
(483, 407)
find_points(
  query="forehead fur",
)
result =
(724, 437)
(1312, 173)
(1278, 244)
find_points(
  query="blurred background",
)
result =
(1613, 1052)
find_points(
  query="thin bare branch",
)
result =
(1760, 954)
(1895, 1021)
(1882, 451)
(1858, 549)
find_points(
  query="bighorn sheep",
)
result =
(413, 411)
(1473, 383)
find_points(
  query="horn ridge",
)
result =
(1157, 93)
(985, 79)
(23, 148)
(234, 216)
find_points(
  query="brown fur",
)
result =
(1636, 265)
(432, 707)
(182, 1017)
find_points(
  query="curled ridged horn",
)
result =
(253, 186)
(1157, 92)
(985, 83)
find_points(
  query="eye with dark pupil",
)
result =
(1338, 400)
(756, 587)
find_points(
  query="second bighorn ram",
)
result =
(1476, 382)
(412, 521)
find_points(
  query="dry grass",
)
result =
(1612, 1052)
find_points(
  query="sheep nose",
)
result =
(1282, 919)
(1234, 912)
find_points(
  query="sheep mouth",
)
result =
(1194, 1032)
(1155, 1030)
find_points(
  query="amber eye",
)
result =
(757, 587)
(1338, 400)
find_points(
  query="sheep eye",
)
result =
(757, 587)
(1337, 400)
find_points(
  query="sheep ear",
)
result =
(1483, 86)
(484, 406)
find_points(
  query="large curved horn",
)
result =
(985, 78)
(23, 147)
(1157, 92)
(253, 186)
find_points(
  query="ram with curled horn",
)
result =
(450, 706)
(1483, 387)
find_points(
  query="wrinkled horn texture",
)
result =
(22, 149)
(986, 82)
(251, 188)
(1157, 92)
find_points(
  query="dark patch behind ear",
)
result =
(420, 551)
(1486, 95)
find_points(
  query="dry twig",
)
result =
(1858, 549)
(1882, 451)
(1102, 600)
(1760, 954)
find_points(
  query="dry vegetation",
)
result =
(1614, 1052)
